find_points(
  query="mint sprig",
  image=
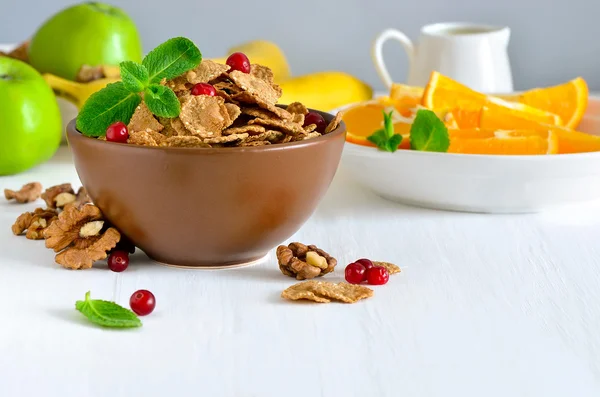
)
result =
(107, 314)
(385, 138)
(428, 133)
(117, 101)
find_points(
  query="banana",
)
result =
(76, 92)
(325, 90)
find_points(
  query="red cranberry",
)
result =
(315, 118)
(142, 302)
(239, 61)
(117, 132)
(366, 263)
(118, 261)
(355, 273)
(377, 275)
(204, 89)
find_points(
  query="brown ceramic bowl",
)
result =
(207, 206)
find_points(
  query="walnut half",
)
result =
(58, 193)
(304, 262)
(78, 237)
(28, 193)
(34, 223)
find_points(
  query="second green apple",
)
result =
(85, 34)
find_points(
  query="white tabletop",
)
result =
(485, 306)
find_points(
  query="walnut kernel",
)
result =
(304, 262)
(28, 193)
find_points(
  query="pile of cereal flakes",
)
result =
(242, 113)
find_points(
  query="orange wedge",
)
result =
(444, 93)
(568, 100)
(569, 141)
(365, 118)
(507, 143)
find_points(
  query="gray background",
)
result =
(552, 41)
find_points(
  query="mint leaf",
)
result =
(428, 133)
(107, 314)
(384, 138)
(379, 137)
(172, 58)
(112, 103)
(162, 101)
(134, 76)
(393, 142)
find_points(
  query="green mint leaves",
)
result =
(134, 76)
(162, 101)
(428, 133)
(171, 58)
(117, 101)
(107, 314)
(112, 103)
(384, 138)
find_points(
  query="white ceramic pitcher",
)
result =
(475, 55)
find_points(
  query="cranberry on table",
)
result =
(355, 273)
(239, 61)
(366, 263)
(377, 275)
(142, 302)
(204, 89)
(117, 132)
(118, 261)
(315, 118)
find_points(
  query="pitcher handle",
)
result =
(377, 52)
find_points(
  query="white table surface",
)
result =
(485, 306)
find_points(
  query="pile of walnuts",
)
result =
(70, 224)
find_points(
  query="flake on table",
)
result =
(324, 292)
(390, 267)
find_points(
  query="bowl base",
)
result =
(251, 262)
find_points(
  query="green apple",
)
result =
(85, 34)
(30, 122)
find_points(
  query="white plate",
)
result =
(481, 183)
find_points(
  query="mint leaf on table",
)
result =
(171, 59)
(112, 103)
(135, 76)
(107, 314)
(428, 133)
(162, 101)
(385, 138)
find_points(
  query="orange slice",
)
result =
(507, 143)
(444, 93)
(568, 100)
(365, 118)
(569, 141)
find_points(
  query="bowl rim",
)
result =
(73, 132)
